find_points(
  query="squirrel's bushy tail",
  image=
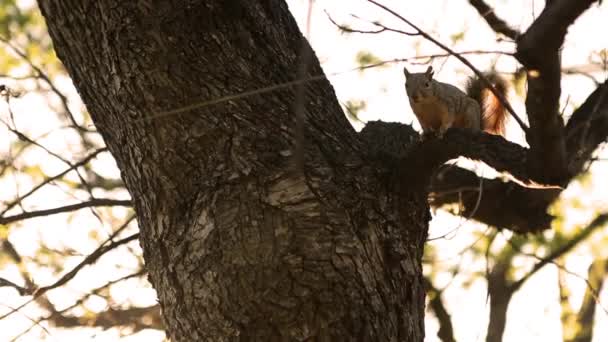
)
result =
(493, 113)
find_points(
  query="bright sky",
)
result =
(382, 89)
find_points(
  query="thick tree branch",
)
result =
(496, 23)
(509, 205)
(502, 155)
(504, 205)
(420, 160)
(538, 50)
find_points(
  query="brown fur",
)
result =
(439, 106)
(493, 113)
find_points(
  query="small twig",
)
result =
(95, 202)
(473, 212)
(90, 259)
(81, 300)
(598, 222)
(35, 323)
(84, 161)
(382, 28)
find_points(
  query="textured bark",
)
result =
(238, 244)
(538, 51)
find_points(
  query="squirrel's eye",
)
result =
(427, 84)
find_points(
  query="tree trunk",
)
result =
(238, 242)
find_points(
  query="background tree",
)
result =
(263, 214)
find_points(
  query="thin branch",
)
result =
(500, 154)
(598, 222)
(479, 191)
(84, 161)
(42, 75)
(81, 300)
(27, 139)
(90, 259)
(95, 202)
(381, 29)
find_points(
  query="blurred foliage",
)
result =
(27, 58)
(40, 139)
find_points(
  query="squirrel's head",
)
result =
(419, 86)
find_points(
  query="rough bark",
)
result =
(238, 244)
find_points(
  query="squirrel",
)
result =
(439, 106)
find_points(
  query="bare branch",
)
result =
(42, 75)
(538, 50)
(84, 161)
(61, 313)
(598, 222)
(7, 283)
(382, 28)
(95, 202)
(497, 24)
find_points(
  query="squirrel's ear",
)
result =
(429, 72)
(405, 72)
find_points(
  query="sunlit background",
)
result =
(109, 298)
